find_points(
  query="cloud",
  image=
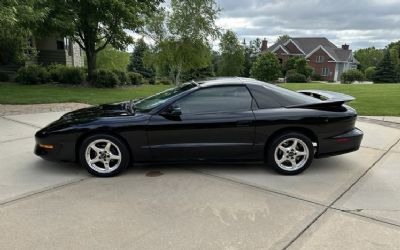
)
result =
(360, 23)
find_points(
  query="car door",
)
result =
(210, 123)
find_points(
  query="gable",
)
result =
(292, 48)
(280, 51)
(320, 51)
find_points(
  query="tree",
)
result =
(385, 71)
(282, 38)
(266, 68)
(369, 57)
(394, 50)
(18, 21)
(299, 65)
(136, 63)
(251, 51)
(232, 55)
(181, 36)
(369, 73)
(111, 58)
(95, 24)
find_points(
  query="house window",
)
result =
(320, 59)
(324, 72)
(60, 45)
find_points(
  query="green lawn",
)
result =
(11, 93)
(371, 99)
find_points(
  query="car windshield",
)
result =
(149, 103)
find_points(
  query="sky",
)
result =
(362, 23)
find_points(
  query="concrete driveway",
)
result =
(344, 202)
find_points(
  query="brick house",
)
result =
(323, 56)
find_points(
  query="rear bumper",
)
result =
(340, 144)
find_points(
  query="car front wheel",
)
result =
(290, 153)
(104, 155)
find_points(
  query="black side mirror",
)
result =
(172, 111)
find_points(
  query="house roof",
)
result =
(309, 44)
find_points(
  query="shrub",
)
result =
(32, 74)
(266, 68)
(66, 74)
(351, 76)
(291, 72)
(369, 73)
(316, 77)
(296, 78)
(106, 79)
(122, 76)
(4, 77)
(164, 81)
(152, 81)
(135, 78)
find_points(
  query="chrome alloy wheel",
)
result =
(291, 154)
(103, 156)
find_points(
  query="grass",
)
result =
(12, 93)
(371, 99)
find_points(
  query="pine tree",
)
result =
(385, 72)
(136, 61)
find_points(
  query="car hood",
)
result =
(105, 110)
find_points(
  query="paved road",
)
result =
(344, 202)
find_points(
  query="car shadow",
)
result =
(45, 167)
(323, 166)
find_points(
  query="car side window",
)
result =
(216, 99)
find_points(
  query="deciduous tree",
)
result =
(182, 36)
(266, 68)
(369, 57)
(232, 55)
(95, 24)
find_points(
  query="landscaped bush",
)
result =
(66, 74)
(135, 78)
(316, 77)
(122, 76)
(163, 81)
(296, 78)
(106, 79)
(351, 76)
(369, 73)
(32, 74)
(4, 77)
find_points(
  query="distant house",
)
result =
(323, 56)
(57, 50)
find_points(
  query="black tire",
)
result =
(117, 148)
(304, 144)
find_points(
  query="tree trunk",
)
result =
(91, 65)
(178, 74)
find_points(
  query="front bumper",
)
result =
(340, 144)
(63, 148)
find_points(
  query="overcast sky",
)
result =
(360, 23)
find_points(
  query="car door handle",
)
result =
(246, 123)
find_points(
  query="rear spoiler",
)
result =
(328, 98)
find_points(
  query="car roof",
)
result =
(228, 81)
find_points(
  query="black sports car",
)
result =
(222, 119)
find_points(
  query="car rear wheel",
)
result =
(104, 155)
(290, 153)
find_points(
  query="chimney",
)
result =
(264, 45)
(345, 46)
